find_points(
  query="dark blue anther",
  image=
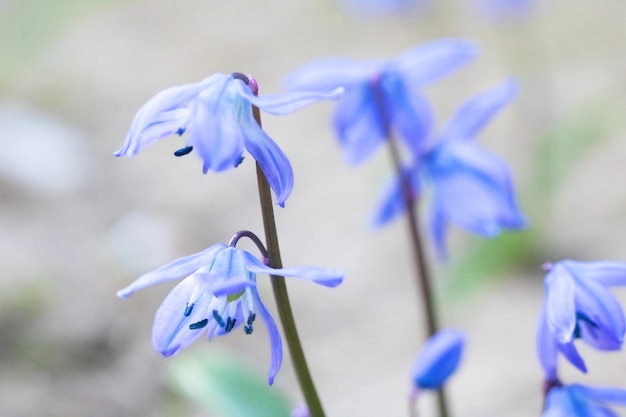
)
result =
(180, 131)
(188, 309)
(247, 329)
(198, 325)
(582, 317)
(218, 318)
(251, 318)
(239, 161)
(230, 324)
(183, 151)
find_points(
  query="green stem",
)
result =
(282, 297)
(423, 274)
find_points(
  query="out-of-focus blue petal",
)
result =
(438, 229)
(322, 276)
(558, 404)
(214, 131)
(276, 344)
(428, 62)
(358, 124)
(410, 113)
(273, 162)
(546, 347)
(371, 7)
(391, 203)
(601, 319)
(603, 395)
(472, 117)
(288, 102)
(176, 269)
(608, 273)
(170, 330)
(438, 359)
(330, 73)
(560, 303)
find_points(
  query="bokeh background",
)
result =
(76, 224)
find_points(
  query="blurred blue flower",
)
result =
(383, 96)
(371, 7)
(577, 400)
(471, 187)
(438, 359)
(578, 305)
(217, 114)
(218, 294)
(505, 9)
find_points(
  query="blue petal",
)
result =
(289, 102)
(322, 276)
(428, 62)
(438, 359)
(227, 274)
(152, 112)
(358, 124)
(330, 73)
(472, 117)
(177, 269)
(391, 203)
(604, 395)
(273, 162)
(546, 347)
(214, 131)
(603, 324)
(276, 344)
(558, 404)
(438, 230)
(607, 273)
(560, 303)
(409, 112)
(170, 331)
(571, 354)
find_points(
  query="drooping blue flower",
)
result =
(217, 115)
(578, 305)
(471, 187)
(218, 294)
(438, 359)
(577, 400)
(382, 97)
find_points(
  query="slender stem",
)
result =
(282, 297)
(423, 276)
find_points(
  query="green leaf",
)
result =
(226, 386)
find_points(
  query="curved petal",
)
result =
(330, 73)
(322, 276)
(603, 395)
(358, 124)
(438, 359)
(571, 354)
(214, 131)
(608, 273)
(472, 117)
(558, 404)
(546, 347)
(430, 61)
(392, 204)
(276, 344)
(410, 113)
(273, 162)
(601, 319)
(227, 274)
(560, 303)
(170, 330)
(176, 269)
(152, 112)
(284, 103)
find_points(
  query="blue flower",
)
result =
(370, 7)
(217, 114)
(471, 187)
(217, 295)
(438, 359)
(578, 305)
(577, 400)
(382, 96)
(503, 9)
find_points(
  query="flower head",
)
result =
(217, 115)
(578, 305)
(218, 294)
(438, 359)
(577, 400)
(471, 187)
(382, 96)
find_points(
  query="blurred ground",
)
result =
(76, 224)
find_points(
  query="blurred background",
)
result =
(77, 224)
